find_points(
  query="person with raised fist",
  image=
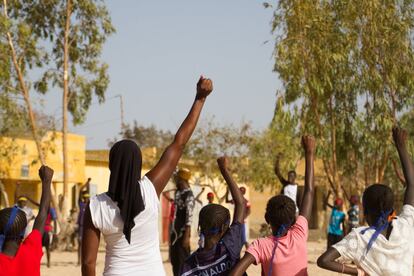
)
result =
(127, 214)
(385, 247)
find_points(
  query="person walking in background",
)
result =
(183, 217)
(210, 198)
(22, 204)
(49, 232)
(127, 214)
(336, 227)
(353, 213)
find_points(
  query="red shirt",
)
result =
(27, 260)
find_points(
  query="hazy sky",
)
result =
(160, 49)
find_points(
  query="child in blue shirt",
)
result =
(336, 223)
(220, 243)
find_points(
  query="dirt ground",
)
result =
(65, 263)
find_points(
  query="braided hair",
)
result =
(280, 210)
(18, 226)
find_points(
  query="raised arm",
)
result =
(199, 195)
(399, 174)
(277, 171)
(243, 265)
(162, 172)
(400, 139)
(166, 195)
(238, 199)
(32, 201)
(46, 175)
(325, 201)
(308, 143)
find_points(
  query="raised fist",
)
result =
(46, 174)
(204, 87)
(223, 162)
(308, 143)
(399, 135)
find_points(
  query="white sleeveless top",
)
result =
(142, 256)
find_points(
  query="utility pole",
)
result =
(121, 102)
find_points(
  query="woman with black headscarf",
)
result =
(127, 214)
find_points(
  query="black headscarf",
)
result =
(125, 163)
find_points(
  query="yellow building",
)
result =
(19, 164)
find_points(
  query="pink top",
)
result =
(291, 256)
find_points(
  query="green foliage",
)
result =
(26, 36)
(281, 137)
(146, 136)
(90, 25)
(349, 64)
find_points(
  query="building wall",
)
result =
(22, 165)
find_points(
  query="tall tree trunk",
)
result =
(335, 174)
(26, 96)
(65, 108)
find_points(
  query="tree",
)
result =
(22, 26)
(146, 136)
(349, 65)
(281, 137)
(20, 52)
(78, 31)
(211, 141)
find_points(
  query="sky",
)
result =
(159, 51)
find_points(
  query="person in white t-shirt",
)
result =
(289, 186)
(127, 214)
(385, 247)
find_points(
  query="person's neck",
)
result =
(10, 248)
(210, 244)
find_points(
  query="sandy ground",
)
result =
(64, 263)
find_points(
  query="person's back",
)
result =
(385, 247)
(353, 217)
(291, 255)
(337, 217)
(284, 253)
(27, 259)
(388, 257)
(140, 257)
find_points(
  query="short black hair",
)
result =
(280, 210)
(213, 217)
(377, 198)
(292, 171)
(18, 226)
